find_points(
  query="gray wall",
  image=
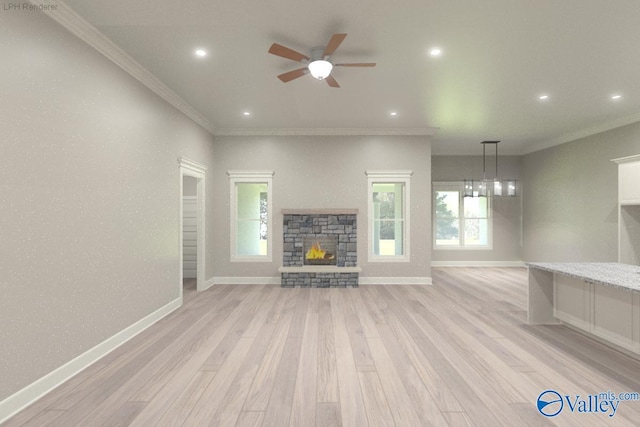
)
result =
(325, 172)
(570, 204)
(89, 198)
(507, 211)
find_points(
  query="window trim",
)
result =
(250, 177)
(459, 186)
(389, 177)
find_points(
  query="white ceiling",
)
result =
(498, 57)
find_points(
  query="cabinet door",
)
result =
(629, 182)
(615, 313)
(572, 301)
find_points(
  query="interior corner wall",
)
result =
(571, 196)
(89, 198)
(324, 172)
(507, 211)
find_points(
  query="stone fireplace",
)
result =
(320, 248)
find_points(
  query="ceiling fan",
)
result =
(318, 63)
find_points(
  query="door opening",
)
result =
(189, 233)
(192, 224)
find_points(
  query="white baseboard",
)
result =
(477, 264)
(25, 397)
(395, 281)
(246, 280)
(209, 283)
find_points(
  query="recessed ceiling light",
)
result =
(201, 53)
(246, 113)
(393, 113)
(543, 97)
(436, 51)
(616, 97)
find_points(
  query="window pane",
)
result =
(447, 223)
(248, 237)
(388, 197)
(476, 232)
(475, 207)
(251, 225)
(388, 214)
(447, 204)
(447, 232)
(389, 237)
(249, 200)
(263, 216)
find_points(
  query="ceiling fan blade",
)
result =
(291, 75)
(333, 44)
(285, 52)
(357, 64)
(331, 81)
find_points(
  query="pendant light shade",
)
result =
(482, 188)
(468, 188)
(489, 187)
(497, 187)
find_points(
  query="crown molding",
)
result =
(75, 24)
(192, 165)
(627, 159)
(573, 136)
(426, 131)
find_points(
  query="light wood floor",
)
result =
(455, 353)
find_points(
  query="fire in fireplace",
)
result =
(320, 250)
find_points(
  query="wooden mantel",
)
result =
(320, 211)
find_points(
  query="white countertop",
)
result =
(622, 276)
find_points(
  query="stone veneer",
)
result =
(298, 224)
(320, 280)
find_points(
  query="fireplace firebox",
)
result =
(320, 250)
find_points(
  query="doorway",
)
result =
(189, 233)
(192, 224)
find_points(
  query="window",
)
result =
(250, 215)
(388, 215)
(460, 222)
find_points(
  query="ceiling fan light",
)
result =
(320, 69)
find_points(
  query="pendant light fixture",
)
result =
(489, 187)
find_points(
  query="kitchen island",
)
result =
(601, 300)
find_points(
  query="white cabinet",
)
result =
(616, 316)
(572, 301)
(629, 209)
(609, 313)
(629, 234)
(629, 180)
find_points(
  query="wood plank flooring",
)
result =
(456, 353)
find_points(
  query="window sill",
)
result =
(250, 258)
(462, 248)
(388, 258)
